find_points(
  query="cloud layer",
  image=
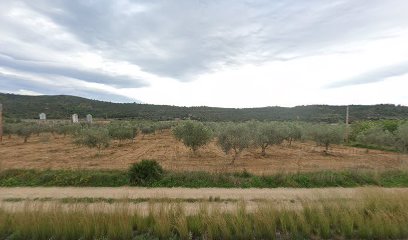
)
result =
(136, 50)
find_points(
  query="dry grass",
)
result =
(141, 199)
(60, 153)
(375, 215)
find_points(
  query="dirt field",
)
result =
(48, 152)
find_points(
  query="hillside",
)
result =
(61, 107)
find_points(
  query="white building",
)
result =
(75, 118)
(89, 118)
(43, 116)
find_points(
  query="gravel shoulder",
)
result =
(198, 193)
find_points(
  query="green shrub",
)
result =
(145, 172)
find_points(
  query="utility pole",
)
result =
(347, 124)
(1, 122)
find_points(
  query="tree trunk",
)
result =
(194, 151)
(236, 156)
(327, 148)
(233, 159)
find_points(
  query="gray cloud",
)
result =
(376, 75)
(13, 84)
(191, 37)
(38, 67)
(185, 39)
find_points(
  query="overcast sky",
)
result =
(235, 53)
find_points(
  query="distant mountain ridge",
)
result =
(63, 106)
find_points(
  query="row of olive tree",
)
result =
(118, 130)
(100, 136)
(27, 129)
(236, 137)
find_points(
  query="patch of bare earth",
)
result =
(58, 152)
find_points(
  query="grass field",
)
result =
(48, 152)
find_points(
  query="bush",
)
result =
(192, 134)
(145, 172)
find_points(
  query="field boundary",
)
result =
(117, 178)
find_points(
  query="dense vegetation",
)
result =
(62, 107)
(375, 216)
(134, 177)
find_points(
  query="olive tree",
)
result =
(266, 134)
(325, 135)
(234, 137)
(402, 136)
(193, 134)
(37, 129)
(93, 138)
(294, 132)
(67, 129)
(10, 129)
(121, 132)
(25, 131)
(147, 129)
(161, 126)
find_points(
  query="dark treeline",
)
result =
(61, 107)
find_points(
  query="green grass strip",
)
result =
(116, 178)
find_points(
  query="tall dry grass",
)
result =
(373, 216)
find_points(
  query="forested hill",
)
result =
(61, 107)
